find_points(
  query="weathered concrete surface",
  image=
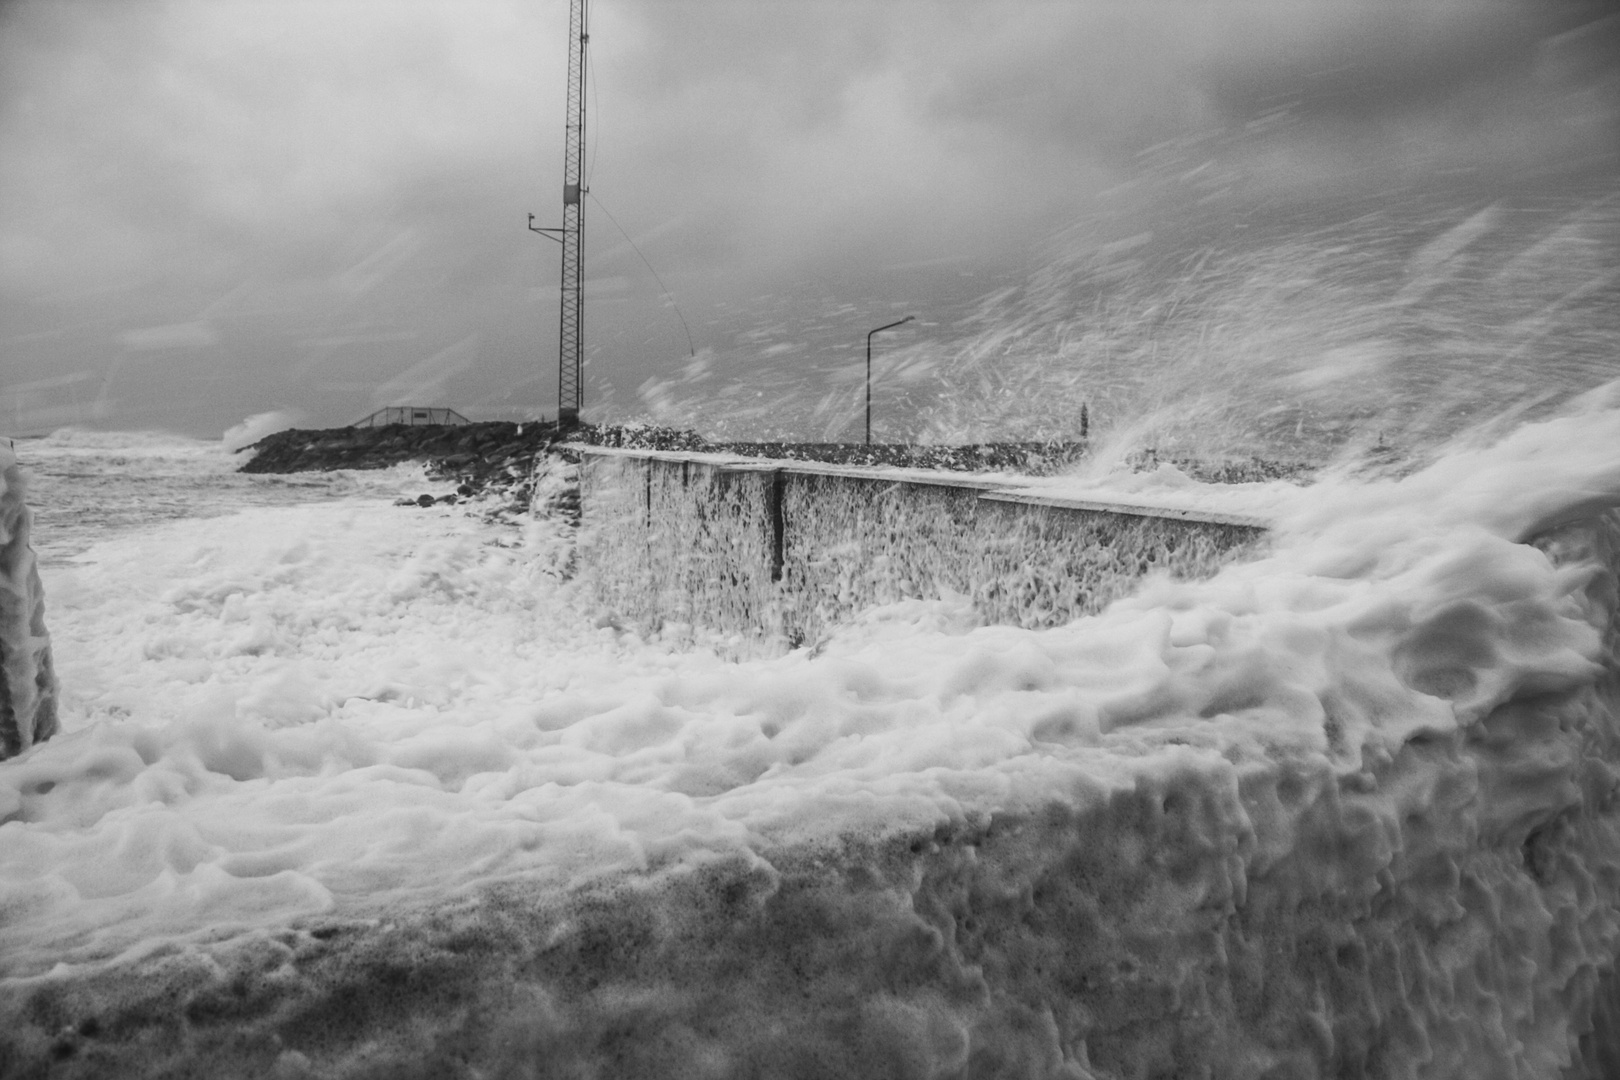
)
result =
(784, 550)
(27, 680)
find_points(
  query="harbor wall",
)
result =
(779, 552)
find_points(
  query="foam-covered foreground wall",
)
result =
(27, 683)
(1348, 809)
(1322, 869)
(1442, 901)
(782, 551)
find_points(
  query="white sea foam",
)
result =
(347, 708)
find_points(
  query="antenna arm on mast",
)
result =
(547, 233)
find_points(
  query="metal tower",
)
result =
(571, 317)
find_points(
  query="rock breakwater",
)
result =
(504, 454)
(482, 453)
(503, 458)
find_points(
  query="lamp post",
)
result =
(879, 330)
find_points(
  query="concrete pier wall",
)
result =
(783, 550)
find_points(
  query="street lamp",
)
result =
(879, 330)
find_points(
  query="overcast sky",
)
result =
(215, 208)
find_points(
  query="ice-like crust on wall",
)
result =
(1354, 870)
(681, 544)
(853, 544)
(788, 554)
(364, 802)
(27, 683)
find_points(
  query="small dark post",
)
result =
(880, 329)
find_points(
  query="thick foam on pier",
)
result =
(1378, 749)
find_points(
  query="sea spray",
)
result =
(1385, 332)
(1400, 326)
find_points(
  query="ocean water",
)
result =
(345, 788)
(87, 486)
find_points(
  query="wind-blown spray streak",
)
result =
(1392, 331)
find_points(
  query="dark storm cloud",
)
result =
(331, 195)
(1102, 79)
(1364, 60)
(274, 172)
(1279, 86)
(796, 60)
(239, 128)
(1391, 90)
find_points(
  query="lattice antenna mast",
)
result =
(571, 315)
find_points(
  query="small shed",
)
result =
(411, 414)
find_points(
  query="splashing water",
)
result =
(1387, 334)
(1380, 331)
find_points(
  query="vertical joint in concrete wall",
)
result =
(774, 502)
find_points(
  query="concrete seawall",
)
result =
(783, 550)
(1432, 899)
